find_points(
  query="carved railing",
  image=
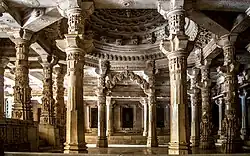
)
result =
(19, 135)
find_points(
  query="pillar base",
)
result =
(231, 146)
(178, 149)
(49, 133)
(194, 141)
(152, 142)
(207, 144)
(145, 134)
(102, 142)
(75, 148)
(109, 133)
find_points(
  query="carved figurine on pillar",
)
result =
(101, 95)
(230, 127)
(176, 50)
(152, 140)
(206, 140)
(22, 108)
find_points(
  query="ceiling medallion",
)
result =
(127, 3)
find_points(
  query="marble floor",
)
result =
(124, 151)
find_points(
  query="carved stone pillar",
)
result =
(22, 108)
(101, 95)
(194, 97)
(176, 51)
(220, 104)
(110, 117)
(152, 140)
(3, 62)
(60, 113)
(243, 97)
(47, 127)
(231, 130)
(206, 140)
(74, 45)
(145, 121)
(48, 102)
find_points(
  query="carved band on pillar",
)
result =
(3, 62)
(48, 102)
(101, 95)
(60, 113)
(22, 108)
(230, 127)
(176, 51)
(206, 140)
(152, 140)
(194, 98)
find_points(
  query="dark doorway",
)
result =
(127, 117)
(94, 118)
(160, 118)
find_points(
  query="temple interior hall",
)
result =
(124, 77)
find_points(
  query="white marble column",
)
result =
(75, 47)
(243, 97)
(60, 107)
(48, 102)
(194, 98)
(175, 50)
(3, 63)
(152, 140)
(110, 117)
(101, 95)
(22, 108)
(145, 121)
(220, 104)
(231, 141)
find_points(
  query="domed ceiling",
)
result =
(130, 35)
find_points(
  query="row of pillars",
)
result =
(175, 49)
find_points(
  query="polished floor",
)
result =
(125, 150)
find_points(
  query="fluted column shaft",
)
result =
(3, 63)
(243, 96)
(231, 130)
(194, 98)
(206, 140)
(75, 137)
(22, 108)
(60, 72)
(110, 117)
